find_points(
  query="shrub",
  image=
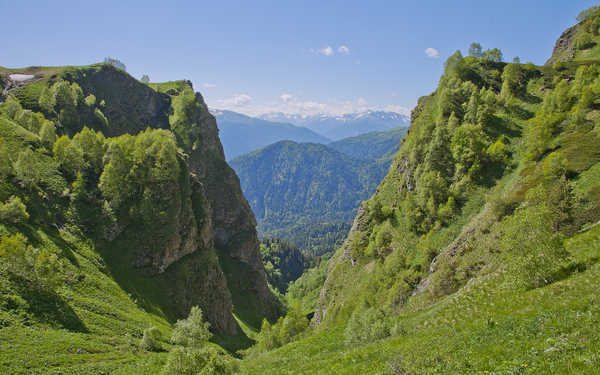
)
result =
(150, 340)
(192, 331)
(14, 211)
(535, 254)
(205, 361)
(40, 267)
(367, 325)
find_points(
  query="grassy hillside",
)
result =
(107, 232)
(478, 253)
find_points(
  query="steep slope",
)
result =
(300, 187)
(580, 42)
(478, 252)
(346, 125)
(373, 145)
(241, 134)
(122, 229)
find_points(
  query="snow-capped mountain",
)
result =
(345, 125)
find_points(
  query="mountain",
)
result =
(373, 145)
(118, 213)
(343, 126)
(305, 192)
(478, 252)
(242, 134)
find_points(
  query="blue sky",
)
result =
(293, 56)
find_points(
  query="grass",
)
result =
(483, 329)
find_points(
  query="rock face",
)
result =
(211, 225)
(564, 49)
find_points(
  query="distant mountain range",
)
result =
(343, 126)
(241, 134)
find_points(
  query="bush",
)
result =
(286, 330)
(14, 211)
(150, 340)
(367, 325)
(205, 361)
(40, 267)
(535, 254)
(192, 331)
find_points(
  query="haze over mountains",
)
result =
(336, 127)
(241, 134)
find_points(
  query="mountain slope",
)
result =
(373, 145)
(241, 134)
(109, 229)
(301, 185)
(343, 126)
(478, 252)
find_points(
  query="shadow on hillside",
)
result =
(49, 308)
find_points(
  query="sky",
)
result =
(301, 57)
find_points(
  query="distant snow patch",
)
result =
(21, 77)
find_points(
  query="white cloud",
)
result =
(286, 97)
(343, 50)
(432, 52)
(327, 51)
(290, 104)
(237, 101)
(209, 85)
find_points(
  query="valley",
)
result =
(144, 232)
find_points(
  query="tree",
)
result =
(192, 331)
(205, 361)
(516, 60)
(512, 75)
(475, 50)
(145, 79)
(116, 63)
(150, 340)
(13, 211)
(48, 134)
(26, 169)
(534, 252)
(68, 155)
(40, 267)
(93, 145)
(494, 55)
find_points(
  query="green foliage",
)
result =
(90, 100)
(68, 156)
(367, 324)
(475, 50)
(93, 146)
(192, 332)
(294, 189)
(205, 361)
(469, 144)
(48, 134)
(537, 253)
(145, 79)
(116, 63)
(26, 169)
(494, 55)
(151, 340)
(40, 267)
(13, 211)
(283, 262)
(305, 290)
(286, 330)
